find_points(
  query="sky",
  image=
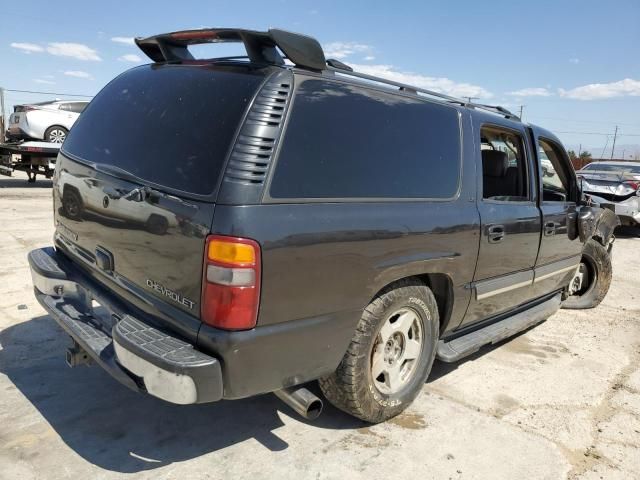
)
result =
(574, 66)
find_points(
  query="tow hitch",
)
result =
(76, 355)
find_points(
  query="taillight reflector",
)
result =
(231, 283)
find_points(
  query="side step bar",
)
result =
(460, 347)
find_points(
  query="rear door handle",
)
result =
(496, 233)
(550, 228)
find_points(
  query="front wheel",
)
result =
(591, 282)
(390, 355)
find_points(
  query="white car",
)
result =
(48, 121)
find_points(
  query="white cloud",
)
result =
(530, 92)
(74, 50)
(27, 47)
(596, 91)
(43, 81)
(342, 50)
(130, 58)
(368, 58)
(123, 40)
(575, 61)
(437, 84)
(77, 74)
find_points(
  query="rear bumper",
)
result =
(135, 353)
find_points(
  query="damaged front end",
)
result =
(598, 223)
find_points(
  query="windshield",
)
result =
(169, 125)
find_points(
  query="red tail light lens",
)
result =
(194, 35)
(632, 184)
(231, 283)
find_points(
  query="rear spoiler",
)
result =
(302, 50)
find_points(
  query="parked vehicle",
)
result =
(341, 228)
(48, 121)
(615, 185)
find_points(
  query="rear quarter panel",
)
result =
(324, 258)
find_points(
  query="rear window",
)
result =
(608, 167)
(346, 141)
(170, 125)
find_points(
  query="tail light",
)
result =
(230, 283)
(632, 184)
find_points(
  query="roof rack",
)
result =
(302, 50)
(332, 66)
(262, 47)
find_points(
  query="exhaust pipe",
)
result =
(302, 401)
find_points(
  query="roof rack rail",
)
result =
(302, 50)
(416, 90)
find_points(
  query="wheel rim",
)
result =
(57, 136)
(397, 350)
(585, 278)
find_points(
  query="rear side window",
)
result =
(170, 125)
(346, 141)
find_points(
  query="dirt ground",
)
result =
(559, 401)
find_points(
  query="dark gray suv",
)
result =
(234, 226)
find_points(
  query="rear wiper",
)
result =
(116, 171)
(138, 194)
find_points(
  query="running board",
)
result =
(460, 347)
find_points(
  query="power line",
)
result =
(48, 93)
(574, 120)
(601, 133)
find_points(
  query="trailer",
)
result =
(31, 157)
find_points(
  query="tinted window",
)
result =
(504, 165)
(76, 107)
(349, 141)
(171, 125)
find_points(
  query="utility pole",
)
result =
(615, 134)
(521, 110)
(3, 119)
(469, 99)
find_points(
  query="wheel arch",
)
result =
(440, 285)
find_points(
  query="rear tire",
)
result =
(596, 261)
(56, 134)
(390, 355)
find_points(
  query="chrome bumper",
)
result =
(134, 352)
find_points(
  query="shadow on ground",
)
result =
(628, 232)
(123, 431)
(19, 182)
